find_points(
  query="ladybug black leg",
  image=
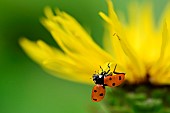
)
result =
(115, 68)
(110, 74)
(105, 85)
(101, 68)
(109, 68)
(117, 72)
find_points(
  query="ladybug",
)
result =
(98, 91)
(105, 79)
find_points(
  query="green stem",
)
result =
(104, 107)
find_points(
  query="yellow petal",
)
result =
(80, 56)
(123, 51)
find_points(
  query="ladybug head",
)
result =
(98, 79)
(95, 77)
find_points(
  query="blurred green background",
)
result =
(24, 86)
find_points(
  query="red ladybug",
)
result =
(105, 79)
(98, 91)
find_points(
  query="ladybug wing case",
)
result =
(114, 80)
(98, 93)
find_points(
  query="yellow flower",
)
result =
(138, 47)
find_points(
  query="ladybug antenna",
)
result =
(98, 72)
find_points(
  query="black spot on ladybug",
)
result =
(95, 90)
(120, 78)
(110, 78)
(104, 87)
(101, 94)
(113, 84)
(94, 99)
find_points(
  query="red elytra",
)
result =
(98, 93)
(114, 80)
